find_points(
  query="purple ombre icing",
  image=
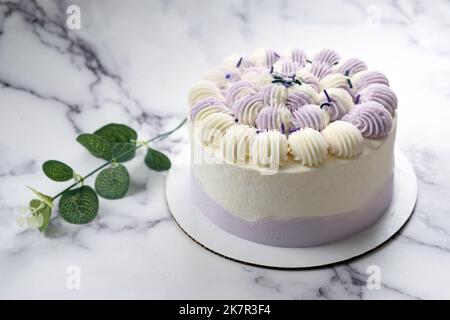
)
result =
(327, 56)
(298, 56)
(371, 118)
(319, 69)
(352, 66)
(297, 99)
(234, 91)
(274, 118)
(208, 102)
(272, 57)
(381, 94)
(309, 116)
(271, 92)
(242, 106)
(288, 67)
(371, 77)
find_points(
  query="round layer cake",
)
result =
(292, 150)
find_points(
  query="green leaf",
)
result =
(113, 183)
(156, 160)
(43, 197)
(126, 148)
(96, 145)
(79, 206)
(38, 207)
(57, 171)
(117, 133)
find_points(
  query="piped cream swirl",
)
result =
(344, 140)
(308, 146)
(270, 148)
(236, 143)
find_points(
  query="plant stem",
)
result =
(158, 137)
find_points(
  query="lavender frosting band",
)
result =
(297, 232)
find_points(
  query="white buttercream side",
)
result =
(337, 186)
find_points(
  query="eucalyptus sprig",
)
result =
(79, 203)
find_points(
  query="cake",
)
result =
(290, 149)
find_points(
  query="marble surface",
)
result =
(133, 63)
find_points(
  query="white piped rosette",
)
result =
(269, 108)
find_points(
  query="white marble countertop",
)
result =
(133, 64)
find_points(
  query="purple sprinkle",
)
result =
(293, 130)
(326, 94)
(271, 69)
(282, 128)
(276, 55)
(325, 104)
(349, 83)
(227, 76)
(239, 62)
(357, 99)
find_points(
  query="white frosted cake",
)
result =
(292, 150)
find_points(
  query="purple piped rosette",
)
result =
(272, 57)
(299, 56)
(381, 94)
(246, 102)
(308, 116)
(371, 118)
(326, 56)
(235, 89)
(320, 70)
(369, 78)
(351, 66)
(374, 102)
(297, 99)
(207, 102)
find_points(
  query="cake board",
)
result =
(199, 228)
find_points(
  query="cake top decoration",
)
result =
(267, 92)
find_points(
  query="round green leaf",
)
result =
(157, 160)
(117, 133)
(57, 170)
(79, 206)
(113, 182)
(38, 207)
(96, 145)
(123, 152)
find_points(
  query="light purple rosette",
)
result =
(246, 102)
(297, 99)
(288, 67)
(207, 102)
(371, 77)
(274, 118)
(352, 66)
(381, 94)
(320, 70)
(309, 116)
(299, 56)
(232, 94)
(272, 57)
(327, 56)
(371, 118)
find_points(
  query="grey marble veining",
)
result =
(133, 63)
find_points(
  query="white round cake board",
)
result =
(199, 228)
